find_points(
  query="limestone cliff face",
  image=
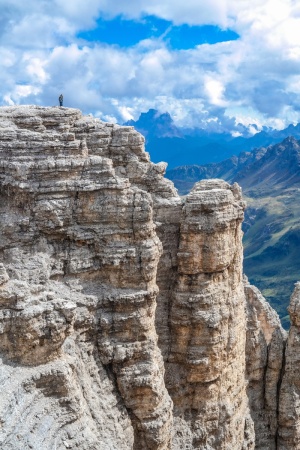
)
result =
(289, 404)
(81, 366)
(206, 363)
(265, 345)
(124, 323)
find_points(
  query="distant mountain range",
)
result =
(181, 146)
(270, 178)
(262, 169)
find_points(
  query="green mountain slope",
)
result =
(272, 246)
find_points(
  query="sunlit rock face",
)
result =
(81, 367)
(206, 363)
(124, 322)
(289, 404)
(265, 344)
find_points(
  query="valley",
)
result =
(271, 246)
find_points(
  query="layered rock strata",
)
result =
(206, 364)
(123, 318)
(79, 260)
(265, 347)
(289, 403)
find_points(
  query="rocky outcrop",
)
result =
(206, 363)
(265, 345)
(123, 318)
(289, 405)
(79, 260)
(270, 181)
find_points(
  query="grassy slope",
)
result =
(272, 244)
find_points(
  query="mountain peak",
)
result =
(290, 140)
(154, 124)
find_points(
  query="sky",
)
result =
(222, 65)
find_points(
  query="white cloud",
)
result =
(41, 57)
(215, 91)
(8, 100)
(35, 68)
(206, 11)
(7, 58)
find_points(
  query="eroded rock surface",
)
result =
(289, 404)
(79, 260)
(265, 346)
(123, 318)
(206, 363)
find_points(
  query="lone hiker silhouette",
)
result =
(61, 99)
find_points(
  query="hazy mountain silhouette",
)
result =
(181, 146)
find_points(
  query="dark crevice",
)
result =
(282, 373)
(265, 376)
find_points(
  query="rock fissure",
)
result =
(282, 371)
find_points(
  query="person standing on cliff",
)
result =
(61, 99)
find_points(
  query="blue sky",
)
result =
(213, 64)
(127, 33)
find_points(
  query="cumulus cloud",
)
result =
(252, 80)
(196, 13)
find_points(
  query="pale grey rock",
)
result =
(123, 318)
(289, 405)
(206, 363)
(265, 346)
(79, 258)
(3, 274)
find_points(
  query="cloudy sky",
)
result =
(210, 63)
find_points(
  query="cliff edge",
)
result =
(125, 321)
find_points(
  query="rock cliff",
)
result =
(125, 322)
